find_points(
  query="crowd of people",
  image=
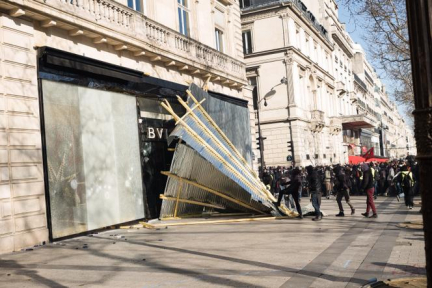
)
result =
(394, 178)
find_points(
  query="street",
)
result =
(335, 252)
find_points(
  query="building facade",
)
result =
(317, 97)
(83, 136)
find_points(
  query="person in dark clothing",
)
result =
(382, 180)
(314, 184)
(416, 176)
(292, 188)
(342, 190)
(368, 186)
(406, 181)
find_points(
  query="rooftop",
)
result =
(251, 5)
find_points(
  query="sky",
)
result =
(357, 34)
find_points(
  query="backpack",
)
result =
(405, 180)
(377, 175)
(382, 174)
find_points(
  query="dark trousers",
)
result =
(370, 200)
(294, 194)
(381, 186)
(316, 202)
(408, 195)
(344, 193)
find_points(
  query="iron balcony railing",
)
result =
(368, 77)
(360, 82)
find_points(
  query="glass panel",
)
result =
(138, 5)
(180, 21)
(249, 40)
(185, 23)
(217, 39)
(130, 4)
(93, 158)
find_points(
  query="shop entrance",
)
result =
(154, 127)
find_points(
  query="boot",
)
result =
(317, 218)
(341, 214)
(365, 214)
(352, 211)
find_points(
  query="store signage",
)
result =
(156, 133)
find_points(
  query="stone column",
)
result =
(420, 33)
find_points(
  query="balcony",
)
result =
(335, 125)
(360, 82)
(369, 78)
(339, 38)
(311, 18)
(107, 21)
(340, 89)
(317, 120)
(356, 122)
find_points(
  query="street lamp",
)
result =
(381, 132)
(260, 139)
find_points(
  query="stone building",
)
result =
(301, 68)
(81, 82)
(317, 98)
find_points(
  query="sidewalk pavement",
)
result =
(335, 252)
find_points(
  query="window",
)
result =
(183, 15)
(245, 3)
(138, 5)
(94, 168)
(253, 82)
(247, 42)
(219, 40)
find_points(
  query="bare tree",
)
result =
(386, 27)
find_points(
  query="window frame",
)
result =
(250, 46)
(242, 4)
(183, 12)
(143, 5)
(219, 40)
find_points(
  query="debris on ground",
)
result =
(418, 225)
(415, 282)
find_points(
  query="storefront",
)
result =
(104, 141)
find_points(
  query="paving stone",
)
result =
(331, 253)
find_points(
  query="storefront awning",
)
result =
(356, 121)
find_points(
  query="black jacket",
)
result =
(342, 181)
(368, 181)
(295, 184)
(314, 182)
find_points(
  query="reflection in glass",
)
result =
(92, 157)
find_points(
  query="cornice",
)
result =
(286, 10)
